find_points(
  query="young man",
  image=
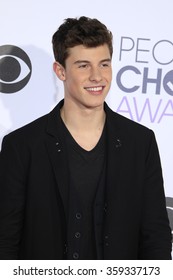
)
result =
(82, 182)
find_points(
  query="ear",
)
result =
(59, 70)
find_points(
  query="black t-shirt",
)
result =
(85, 171)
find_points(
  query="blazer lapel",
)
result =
(57, 153)
(115, 151)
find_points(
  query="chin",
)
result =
(94, 104)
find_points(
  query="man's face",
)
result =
(87, 75)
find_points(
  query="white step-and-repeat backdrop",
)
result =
(142, 87)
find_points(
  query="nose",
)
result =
(95, 74)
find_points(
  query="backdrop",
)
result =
(142, 87)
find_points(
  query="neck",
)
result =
(82, 118)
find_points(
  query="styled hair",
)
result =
(79, 31)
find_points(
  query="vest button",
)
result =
(75, 256)
(105, 207)
(78, 216)
(77, 235)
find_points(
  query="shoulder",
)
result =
(124, 124)
(35, 129)
(136, 138)
(20, 142)
(28, 131)
(132, 134)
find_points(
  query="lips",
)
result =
(94, 89)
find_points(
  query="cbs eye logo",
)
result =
(169, 205)
(13, 63)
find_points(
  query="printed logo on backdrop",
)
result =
(145, 73)
(15, 69)
(169, 205)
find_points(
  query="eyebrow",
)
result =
(87, 61)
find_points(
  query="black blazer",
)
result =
(34, 193)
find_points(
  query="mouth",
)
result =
(95, 90)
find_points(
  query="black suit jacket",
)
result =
(34, 193)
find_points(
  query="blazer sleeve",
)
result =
(12, 199)
(155, 241)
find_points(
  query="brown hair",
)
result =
(83, 31)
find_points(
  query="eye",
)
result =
(15, 69)
(105, 64)
(83, 66)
